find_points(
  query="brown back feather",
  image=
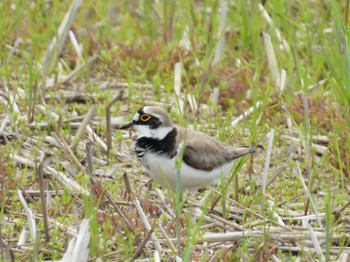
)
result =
(205, 152)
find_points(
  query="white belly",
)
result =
(163, 170)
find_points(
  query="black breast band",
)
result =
(165, 146)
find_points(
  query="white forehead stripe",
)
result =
(136, 117)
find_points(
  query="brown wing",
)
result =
(206, 153)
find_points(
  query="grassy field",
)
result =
(275, 73)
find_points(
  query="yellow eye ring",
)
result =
(145, 117)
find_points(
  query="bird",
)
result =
(160, 146)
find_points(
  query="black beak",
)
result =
(126, 126)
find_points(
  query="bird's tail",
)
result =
(238, 152)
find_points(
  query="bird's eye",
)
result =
(145, 117)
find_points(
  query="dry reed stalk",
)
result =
(147, 225)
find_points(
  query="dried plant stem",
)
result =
(147, 225)
(89, 161)
(56, 45)
(82, 127)
(78, 248)
(221, 42)
(127, 184)
(211, 237)
(6, 252)
(309, 195)
(71, 75)
(71, 156)
(43, 200)
(30, 215)
(177, 88)
(270, 137)
(119, 211)
(108, 121)
(268, 19)
(245, 114)
(166, 237)
(142, 245)
(271, 58)
(316, 243)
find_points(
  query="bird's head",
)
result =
(151, 121)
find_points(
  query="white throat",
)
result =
(158, 133)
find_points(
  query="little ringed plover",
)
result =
(160, 144)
